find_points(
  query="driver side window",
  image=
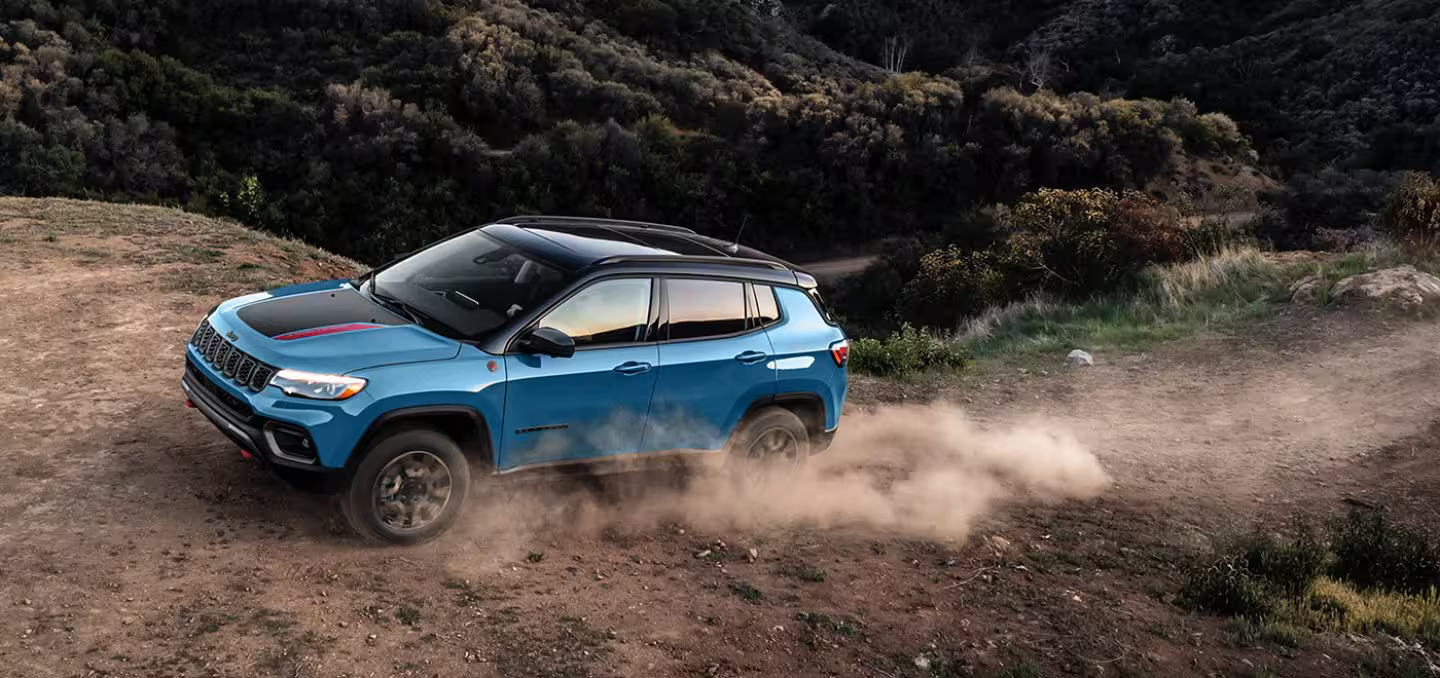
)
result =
(607, 312)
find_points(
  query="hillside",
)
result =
(1312, 82)
(372, 127)
(930, 541)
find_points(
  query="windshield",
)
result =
(467, 285)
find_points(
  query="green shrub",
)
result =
(1288, 566)
(1248, 578)
(1372, 552)
(1412, 210)
(951, 283)
(1078, 243)
(906, 352)
(1227, 586)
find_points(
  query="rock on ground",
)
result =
(1306, 290)
(1404, 285)
(1079, 358)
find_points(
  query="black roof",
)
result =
(581, 243)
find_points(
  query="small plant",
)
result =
(745, 591)
(534, 556)
(407, 615)
(1250, 632)
(906, 352)
(803, 572)
(1025, 669)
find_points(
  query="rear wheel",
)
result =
(409, 488)
(772, 441)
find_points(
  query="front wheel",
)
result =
(408, 489)
(770, 442)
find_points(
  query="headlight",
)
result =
(318, 386)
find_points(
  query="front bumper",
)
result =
(258, 436)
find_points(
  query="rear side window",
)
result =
(821, 306)
(608, 312)
(767, 310)
(704, 308)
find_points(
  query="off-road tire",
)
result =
(358, 501)
(762, 425)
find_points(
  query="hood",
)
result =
(326, 327)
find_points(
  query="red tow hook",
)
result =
(246, 454)
(189, 403)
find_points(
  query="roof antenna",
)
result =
(734, 246)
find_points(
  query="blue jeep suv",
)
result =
(534, 343)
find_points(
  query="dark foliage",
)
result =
(1329, 91)
(1373, 552)
(1313, 205)
(372, 127)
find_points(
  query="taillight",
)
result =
(840, 351)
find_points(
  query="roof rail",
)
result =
(688, 259)
(595, 221)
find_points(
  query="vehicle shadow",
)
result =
(203, 483)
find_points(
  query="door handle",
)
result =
(750, 357)
(632, 367)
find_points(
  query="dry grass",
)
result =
(1212, 294)
(1337, 606)
(186, 252)
(1232, 272)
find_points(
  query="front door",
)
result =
(593, 404)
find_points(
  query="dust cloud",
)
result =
(920, 471)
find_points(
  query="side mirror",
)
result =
(548, 341)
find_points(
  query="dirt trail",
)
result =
(1239, 424)
(135, 542)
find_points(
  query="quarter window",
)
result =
(608, 312)
(705, 308)
(767, 311)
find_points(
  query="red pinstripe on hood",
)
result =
(331, 329)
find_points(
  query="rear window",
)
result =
(704, 308)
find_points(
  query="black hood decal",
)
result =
(284, 315)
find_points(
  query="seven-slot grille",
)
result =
(232, 362)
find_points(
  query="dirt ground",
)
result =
(135, 541)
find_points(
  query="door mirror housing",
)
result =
(547, 341)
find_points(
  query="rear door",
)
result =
(593, 404)
(715, 360)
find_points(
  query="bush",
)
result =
(906, 352)
(1227, 586)
(1078, 243)
(1373, 553)
(1322, 203)
(1288, 566)
(1249, 577)
(951, 284)
(1412, 210)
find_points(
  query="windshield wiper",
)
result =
(410, 312)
